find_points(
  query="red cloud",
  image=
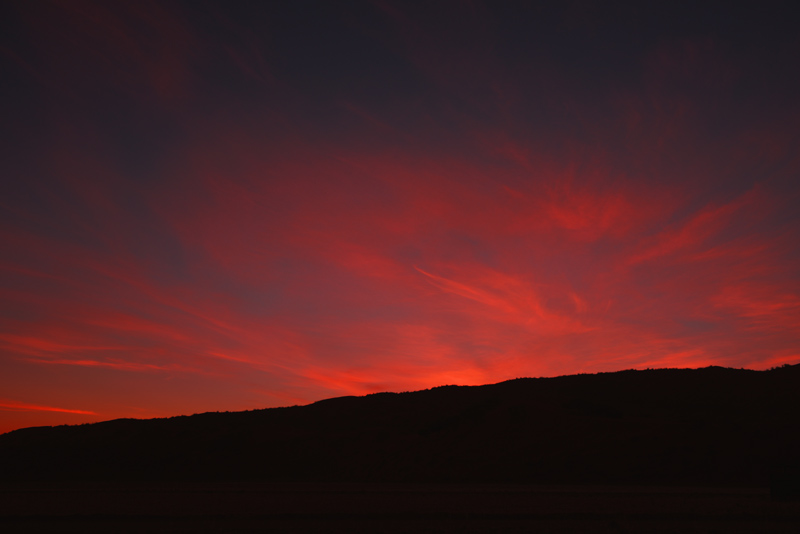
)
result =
(25, 407)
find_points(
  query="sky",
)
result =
(220, 206)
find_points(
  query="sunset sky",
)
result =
(211, 206)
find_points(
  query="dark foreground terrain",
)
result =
(387, 508)
(707, 450)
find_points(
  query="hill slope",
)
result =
(712, 426)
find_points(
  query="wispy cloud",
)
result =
(17, 406)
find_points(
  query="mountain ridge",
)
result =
(710, 426)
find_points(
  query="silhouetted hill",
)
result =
(712, 426)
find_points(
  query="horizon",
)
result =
(230, 206)
(172, 416)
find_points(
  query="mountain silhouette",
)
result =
(703, 427)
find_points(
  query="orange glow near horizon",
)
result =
(199, 225)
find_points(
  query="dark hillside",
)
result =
(711, 427)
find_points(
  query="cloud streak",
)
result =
(25, 407)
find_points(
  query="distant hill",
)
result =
(712, 427)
